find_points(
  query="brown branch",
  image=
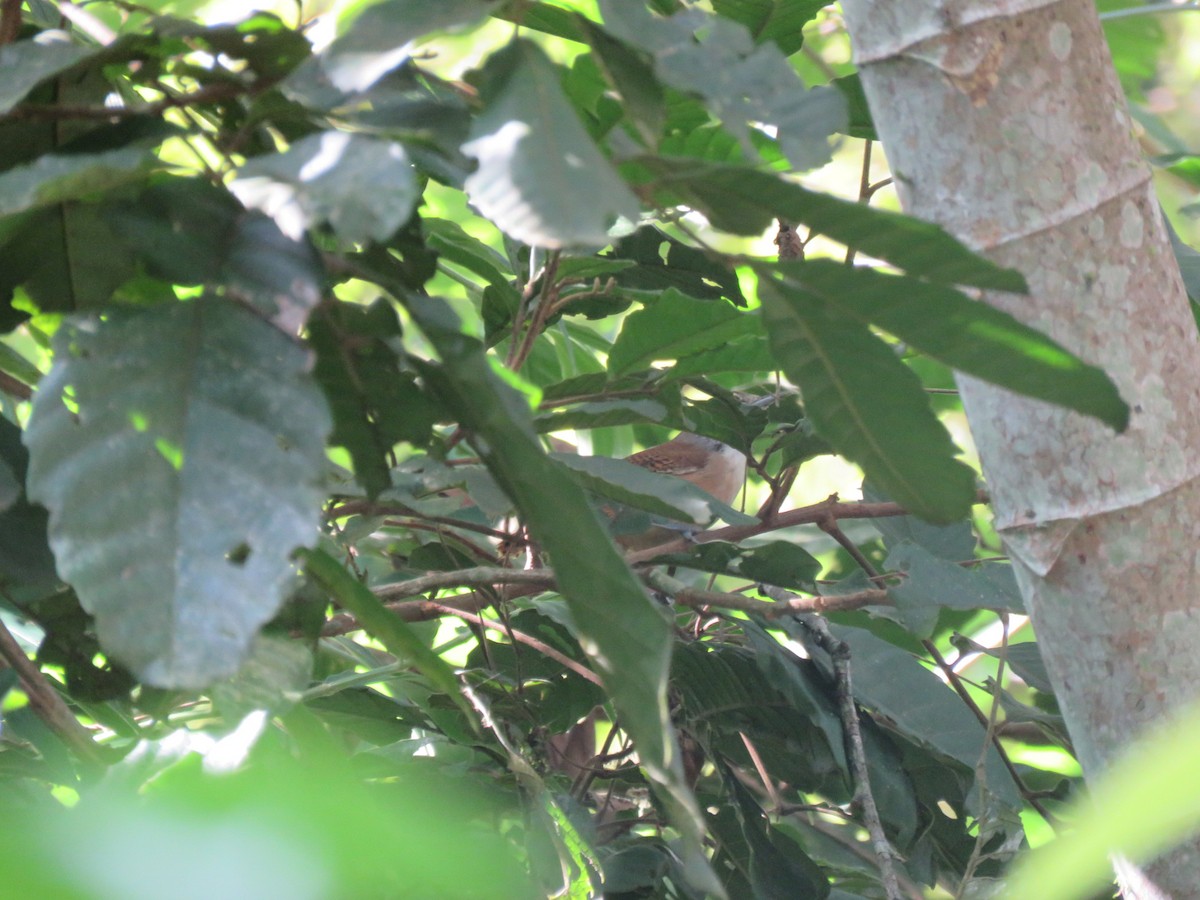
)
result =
(208, 94)
(14, 387)
(10, 21)
(784, 604)
(828, 509)
(46, 701)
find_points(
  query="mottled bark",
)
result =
(1004, 122)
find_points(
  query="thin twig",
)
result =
(46, 701)
(839, 652)
(530, 641)
(208, 94)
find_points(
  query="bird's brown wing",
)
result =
(681, 459)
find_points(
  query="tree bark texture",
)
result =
(1004, 122)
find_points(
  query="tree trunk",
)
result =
(1004, 122)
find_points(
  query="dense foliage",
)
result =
(312, 609)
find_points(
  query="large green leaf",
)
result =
(54, 178)
(740, 83)
(665, 262)
(24, 64)
(540, 179)
(624, 634)
(674, 326)
(965, 334)
(374, 405)
(932, 584)
(911, 700)
(364, 187)
(746, 201)
(781, 21)
(188, 231)
(867, 403)
(180, 452)
(381, 38)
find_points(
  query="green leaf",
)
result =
(381, 38)
(188, 231)
(624, 634)
(393, 632)
(26, 563)
(781, 21)
(965, 334)
(749, 354)
(1142, 805)
(867, 403)
(540, 178)
(180, 487)
(934, 584)
(860, 123)
(453, 242)
(374, 405)
(633, 78)
(778, 867)
(364, 187)
(666, 262)
(674, 326)
(912, 701)
(953, 542)
(745, 201)
(544, 18)
(25, 64)
(775, 562)
(55, 178)
(740, 82)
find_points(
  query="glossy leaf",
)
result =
(182, 484)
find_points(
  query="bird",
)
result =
(711, 465)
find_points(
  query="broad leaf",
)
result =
(54, 178)
(364, 187)
(740, 82)
(746, 201)
(25, 64)
(540, 177)
(382, 37)
(665, 262)
(867, 403)
(625, 635)
(179, 450)
(781, 21)
(675, 326)
(932, 584)
(965, 334)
